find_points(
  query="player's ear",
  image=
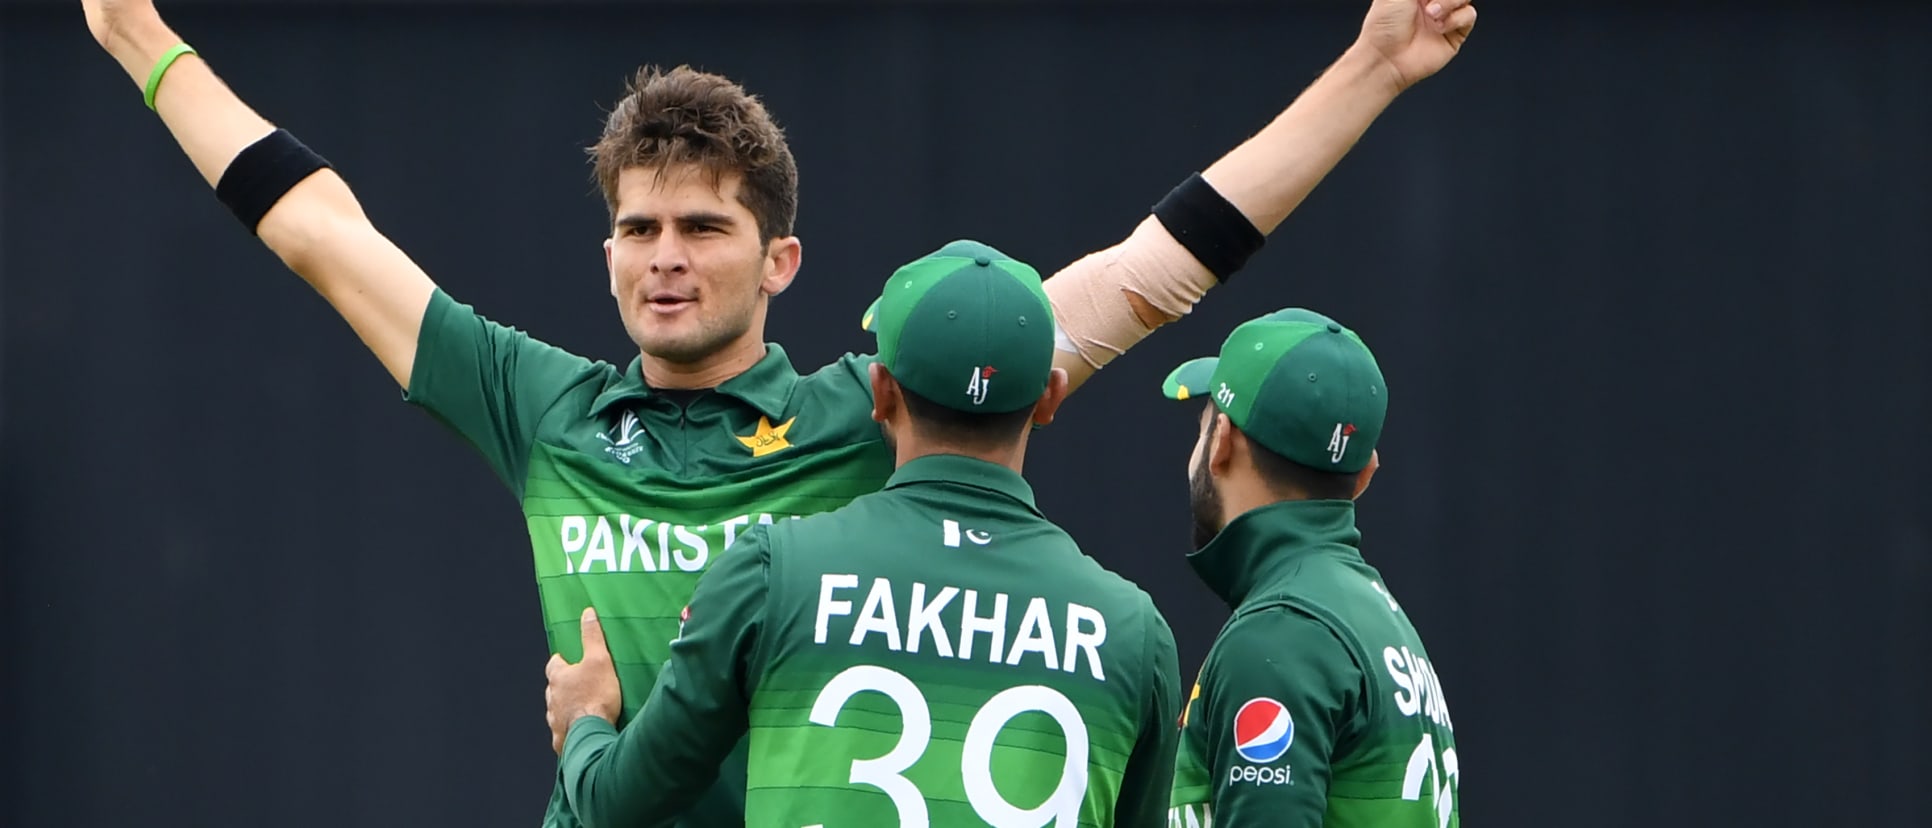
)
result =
(885, 393)
(1056, 392)
(782, 259)
(610, 269)
(1220, 447)
(1362, 477)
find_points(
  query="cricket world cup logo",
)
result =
(624, 445)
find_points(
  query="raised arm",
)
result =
(1206, 229)
(1402, 42)
(317, 227)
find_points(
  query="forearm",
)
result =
(595, 775)
(1269, 175)
(646, 774)
(316, 227)
(210, 123)
(213, 125)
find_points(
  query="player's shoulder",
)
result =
(839, 391)
(849, 373)
(830, 531)
(1263, 624)
(582, 389)
(1284, 655)
(827, 524)
(856, 536)
(451, 326)
(1341, 592)
(1266, 633)
(1100, 584)
(1329, 584)
(1119, 586)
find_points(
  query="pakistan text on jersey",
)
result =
(1421, 691)
(591, 545)
(877, 622)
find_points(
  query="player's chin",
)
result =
(677, 344)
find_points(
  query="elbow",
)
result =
(594, 805)
(314, 217)
(294, 246)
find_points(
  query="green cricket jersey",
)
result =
(937, 653)
(1317, 705)
(629, 495)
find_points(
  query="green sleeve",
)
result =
(489, 383)
(1293, 659)
(1149, 779)
(669, 753)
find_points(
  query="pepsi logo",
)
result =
(1263, 730)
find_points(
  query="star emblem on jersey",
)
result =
(1263, 730)
(769, 438)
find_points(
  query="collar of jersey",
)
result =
(965, 471)
(1265, 546)
(766, 386)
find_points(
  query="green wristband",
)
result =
(161, 68)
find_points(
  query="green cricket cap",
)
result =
(967, 327)
(1298, 383)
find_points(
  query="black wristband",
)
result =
(264, 172)
(1215, 231)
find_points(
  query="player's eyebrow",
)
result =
(640, 221)
(707, 217)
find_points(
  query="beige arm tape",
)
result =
(1107, 301)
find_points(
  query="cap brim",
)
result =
(871, 312)
(1190, 380)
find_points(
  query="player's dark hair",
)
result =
(685, 116)
(1287, 477)
(965, 429)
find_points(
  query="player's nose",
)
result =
(671, 255)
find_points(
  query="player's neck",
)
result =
(1239, 497)
(709, 372)
(912, 448)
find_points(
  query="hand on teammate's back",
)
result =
(587, 688)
